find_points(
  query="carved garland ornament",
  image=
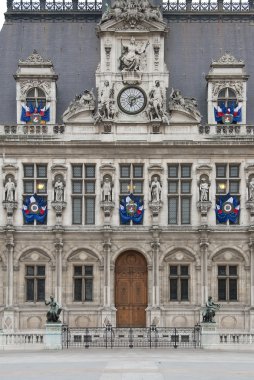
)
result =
(228, 58)
(29, 84)
(237, 86)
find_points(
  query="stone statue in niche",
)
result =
(251, 189)
(106, 106)
(59, 190)
(155, 190)
(204, 190)
(106, 190)
(131, 55)
(9, 190)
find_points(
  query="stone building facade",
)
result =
(146, 122)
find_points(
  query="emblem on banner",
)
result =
(131, 208)
(227, 208)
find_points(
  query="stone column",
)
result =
(59, 266)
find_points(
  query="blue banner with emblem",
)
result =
(35, 115)
(34, 208)
(131, 208)
(227, 208)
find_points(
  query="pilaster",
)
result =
(59, 264)
(204, 244)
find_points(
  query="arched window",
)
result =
(227, 98)
(36, 97)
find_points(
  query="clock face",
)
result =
(132, 100)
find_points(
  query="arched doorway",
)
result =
(131, 289)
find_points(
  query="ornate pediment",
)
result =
(34, 59)
(227, 59)
(83, 256)
(181, 256)
(183, 109)
(80, 109)
(228, 256)
(35, 256)
(130, 14)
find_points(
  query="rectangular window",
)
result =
(179, 194)
(35, 283)
(83, 193)
(179, 282)
(228, 181)
(35, 182)
(83, 283)
(227, 282)
(131, 181)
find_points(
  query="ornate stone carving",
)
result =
(187, 105)
(237, 86)
(156, 104)
(35, 58)
(155, 190)
(132, 53)
(108, 47)
(156, 49)
(226, 59)
(27, 85)
(82, 102)
(251, 189)
(204, 207)
(204, 185)
(106, 105)
(132, 11)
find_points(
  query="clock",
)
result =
(132, 100)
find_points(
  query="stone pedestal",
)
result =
(53, 336)
(210, 338)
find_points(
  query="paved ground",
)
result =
(127, 365)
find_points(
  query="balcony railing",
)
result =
(44, 5)
(168, 6)
(226, 130)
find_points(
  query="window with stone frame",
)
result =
(36, 98)
(83, 283)
(132, 181)
(227, 282)
(83, 193)
(179, 194)
(228, 181)
(35, 181)
(179, 282)
(35, 277)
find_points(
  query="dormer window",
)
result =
(36, 97)
(226, 92)
(36, 91)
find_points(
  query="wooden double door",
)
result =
(131, 290)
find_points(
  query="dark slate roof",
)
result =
(74, 49)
